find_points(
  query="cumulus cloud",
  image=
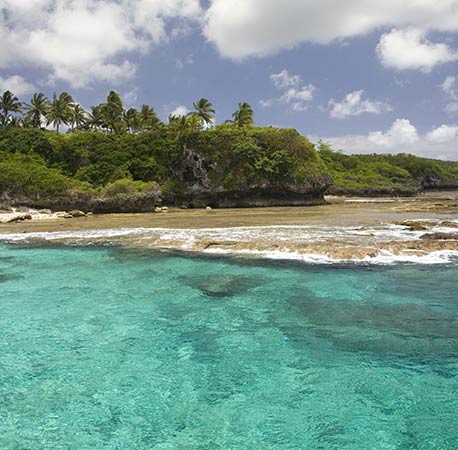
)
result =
(409, 49)
(354, 104)
(283, 80)
(180, 110)
(295, 94)
(17, 85)
(246, 28)
(81, 41)
(401, 132)
(444, 133)
(450, 88)
(402, 137)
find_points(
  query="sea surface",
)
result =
(106, 347)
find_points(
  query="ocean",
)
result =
(108, 347)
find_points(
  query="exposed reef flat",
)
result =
(422, 229)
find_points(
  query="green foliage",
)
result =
(127, 187)
(27, 175)
(253, 156)
(383, 172)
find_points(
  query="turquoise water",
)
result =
(108, 348)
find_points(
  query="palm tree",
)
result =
(60, 111)
(148, 118)
(180, 125)
(194, 122)
(9, 103)
(204, 111)
(95, 118)
(37, 109)
(243, 117)
(132, 120)
(78, 116)
(112, 113)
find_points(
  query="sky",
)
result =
(363, 75)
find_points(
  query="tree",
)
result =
(132, 120)
(180, 125)
(37, 109)
(95, 118)
(112, 113)
(148, 118)
(243, 117)
(60, 111)
(204, 111)
(9, 103)
(78, 116)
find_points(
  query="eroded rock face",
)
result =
(201, 191)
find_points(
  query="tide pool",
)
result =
(110, 348)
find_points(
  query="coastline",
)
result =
(375, 230)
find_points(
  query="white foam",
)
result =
(187, 239)
(383, 257)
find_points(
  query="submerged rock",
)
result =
(223, 285)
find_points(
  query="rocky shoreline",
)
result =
(345, 229)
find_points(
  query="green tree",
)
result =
(180, 125)
(204, 111)
(113, 113)
(78, 116)
(243, 117)
(132, 120)
(59, 112)
(9, 103)
(148, 118)
(37, 109)
(95, 119)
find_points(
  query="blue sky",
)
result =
(365, 75)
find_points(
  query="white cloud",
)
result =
(402, 137)
(246, 28)
(180, 110)
(294, 93)
(17, 85)
(353, 105)
(444, 133)
(409, 49)
(452, 108)
(450, 88)
(82, 41)
(401, 132)
(284, 80)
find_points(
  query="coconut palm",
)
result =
(37, 109)
(95, 118)
(60, 111)
(132, 120)
(194, 122)
(112, 113)
(180, 125)
(243, 117)
(9, 103)
(148, 118)
(78, 116)
(204, 111)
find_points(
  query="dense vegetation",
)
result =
(113, 153)
(385, 174)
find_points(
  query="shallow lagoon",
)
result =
(111, 348)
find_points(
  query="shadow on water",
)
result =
(382, 329)
(220, 286)
(4, 277)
